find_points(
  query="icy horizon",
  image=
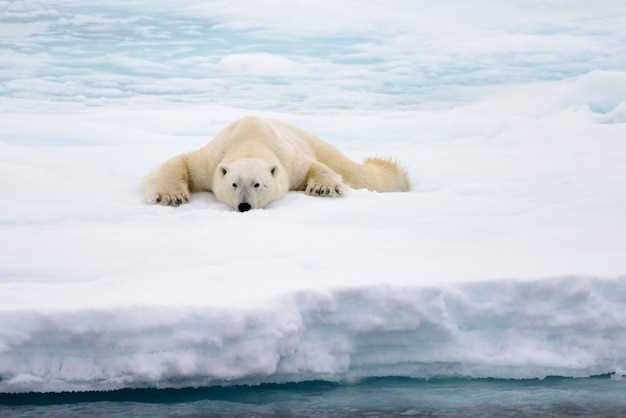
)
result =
(300, 56)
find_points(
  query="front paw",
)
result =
(168, 198)
(325, 190)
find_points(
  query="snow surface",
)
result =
(507, 259)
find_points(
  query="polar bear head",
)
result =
(249, 183)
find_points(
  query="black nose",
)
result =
(244, 207)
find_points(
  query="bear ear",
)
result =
(274, 170)
(223, 170)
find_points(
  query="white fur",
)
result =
(272, 155)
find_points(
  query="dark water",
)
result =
(381, 397)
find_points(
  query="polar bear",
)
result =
(255, 161)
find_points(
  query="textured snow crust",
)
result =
(566, 327)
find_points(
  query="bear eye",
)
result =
(234, 185)
(256, 185)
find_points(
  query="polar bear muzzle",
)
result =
(244, 207)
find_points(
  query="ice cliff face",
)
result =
(567, 326)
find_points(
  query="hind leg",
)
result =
(322, 181)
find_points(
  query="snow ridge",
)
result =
(569, 326)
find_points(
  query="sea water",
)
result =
(601, 396)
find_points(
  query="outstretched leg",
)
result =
(376, 174)
(169, 184)
(322, 181)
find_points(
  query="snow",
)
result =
(260, 64)
(506, 260)
(569, 326)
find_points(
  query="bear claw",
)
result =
(170, 200)
(324, 191)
